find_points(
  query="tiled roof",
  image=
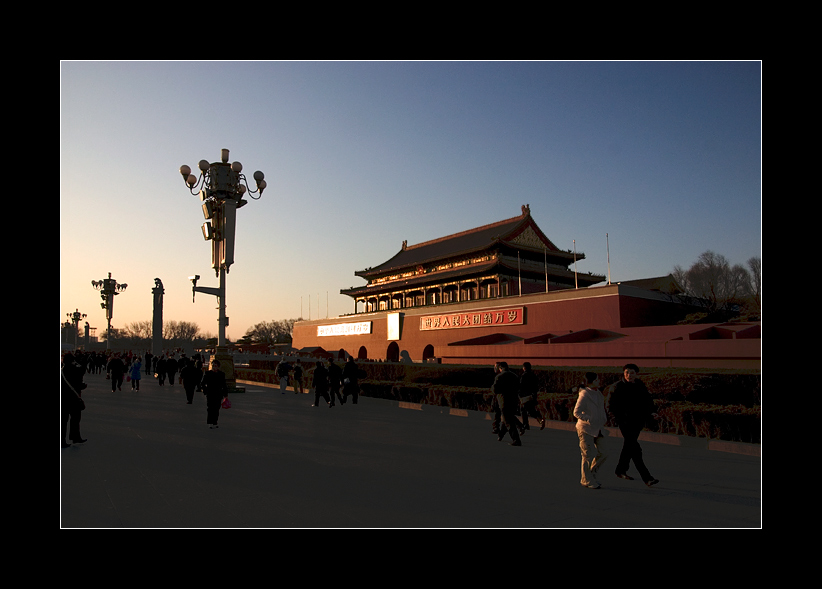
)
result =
(464, 242)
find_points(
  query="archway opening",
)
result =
(428, 353)
(393, 352)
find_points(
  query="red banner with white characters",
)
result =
(477, 318)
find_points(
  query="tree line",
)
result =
(181, 334)
(722, 291)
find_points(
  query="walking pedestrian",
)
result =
(298, 377)
(506, 390)
(351, 381)
(191, 376)
(147, 362)
(160, 369)
(172, 365)
(215, 390)
(321, 385)
(116, 370)
(631, 405)
(591, 417)
(283, 368)
(134, 373)
(528, 391)
(334, 381)
(71, 403)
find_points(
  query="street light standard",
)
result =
(108, 288)
(221, 187)
(75, 319)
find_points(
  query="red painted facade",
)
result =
(597, 326)
(504, 291)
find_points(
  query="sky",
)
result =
(662, 157)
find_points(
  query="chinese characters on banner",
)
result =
(345, 329)
(478, 318)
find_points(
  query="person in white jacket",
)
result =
(591, 418)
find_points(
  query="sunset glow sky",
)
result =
(664, 157)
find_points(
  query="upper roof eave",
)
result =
(461, 244)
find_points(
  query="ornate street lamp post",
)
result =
(221, 188)
(108, 288)
(75, 319)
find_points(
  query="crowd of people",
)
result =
(332, 383)
(515, 399)
(128, 368)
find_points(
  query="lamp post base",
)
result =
(227, 366)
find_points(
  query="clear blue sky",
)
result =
(664, 157)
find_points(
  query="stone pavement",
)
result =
(276, 462)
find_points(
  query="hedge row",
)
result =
(683, 399)
(714, 387)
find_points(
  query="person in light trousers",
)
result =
(591, 417)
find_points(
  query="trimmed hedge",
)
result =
(721, 405)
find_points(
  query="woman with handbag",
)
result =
(72, 403)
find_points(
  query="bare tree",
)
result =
(137, 330)
(271, 332)
(714, 284)
(180, 332)
(755, 269)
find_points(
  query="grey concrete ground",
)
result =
(276, 462)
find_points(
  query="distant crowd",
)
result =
(515, 398)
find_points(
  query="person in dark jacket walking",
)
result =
(71, 385)
(351, 381)
(321, 385)
(334, 381)
(215, 390)
(190, 376)
(631, 405)
(528, 391)
(506, 390)
(160, 369)
(172, 365)
(116, 370)
(298, 377)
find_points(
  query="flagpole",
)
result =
(576, 283)
(608, 249)
(545, 252)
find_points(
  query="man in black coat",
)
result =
(351, 380)
(334, 381)
(215, 390)
(631, 405)
(116, 370)
(71, 402)
(172, 366)
(528, 391)
(190, 376)
(321, 385)
(506, 390)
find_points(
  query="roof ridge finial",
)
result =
(526, 210)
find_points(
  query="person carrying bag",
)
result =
(72, 402)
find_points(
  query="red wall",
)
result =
(626, 318)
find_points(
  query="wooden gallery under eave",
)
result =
(504, 291)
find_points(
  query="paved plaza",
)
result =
(277, 462)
